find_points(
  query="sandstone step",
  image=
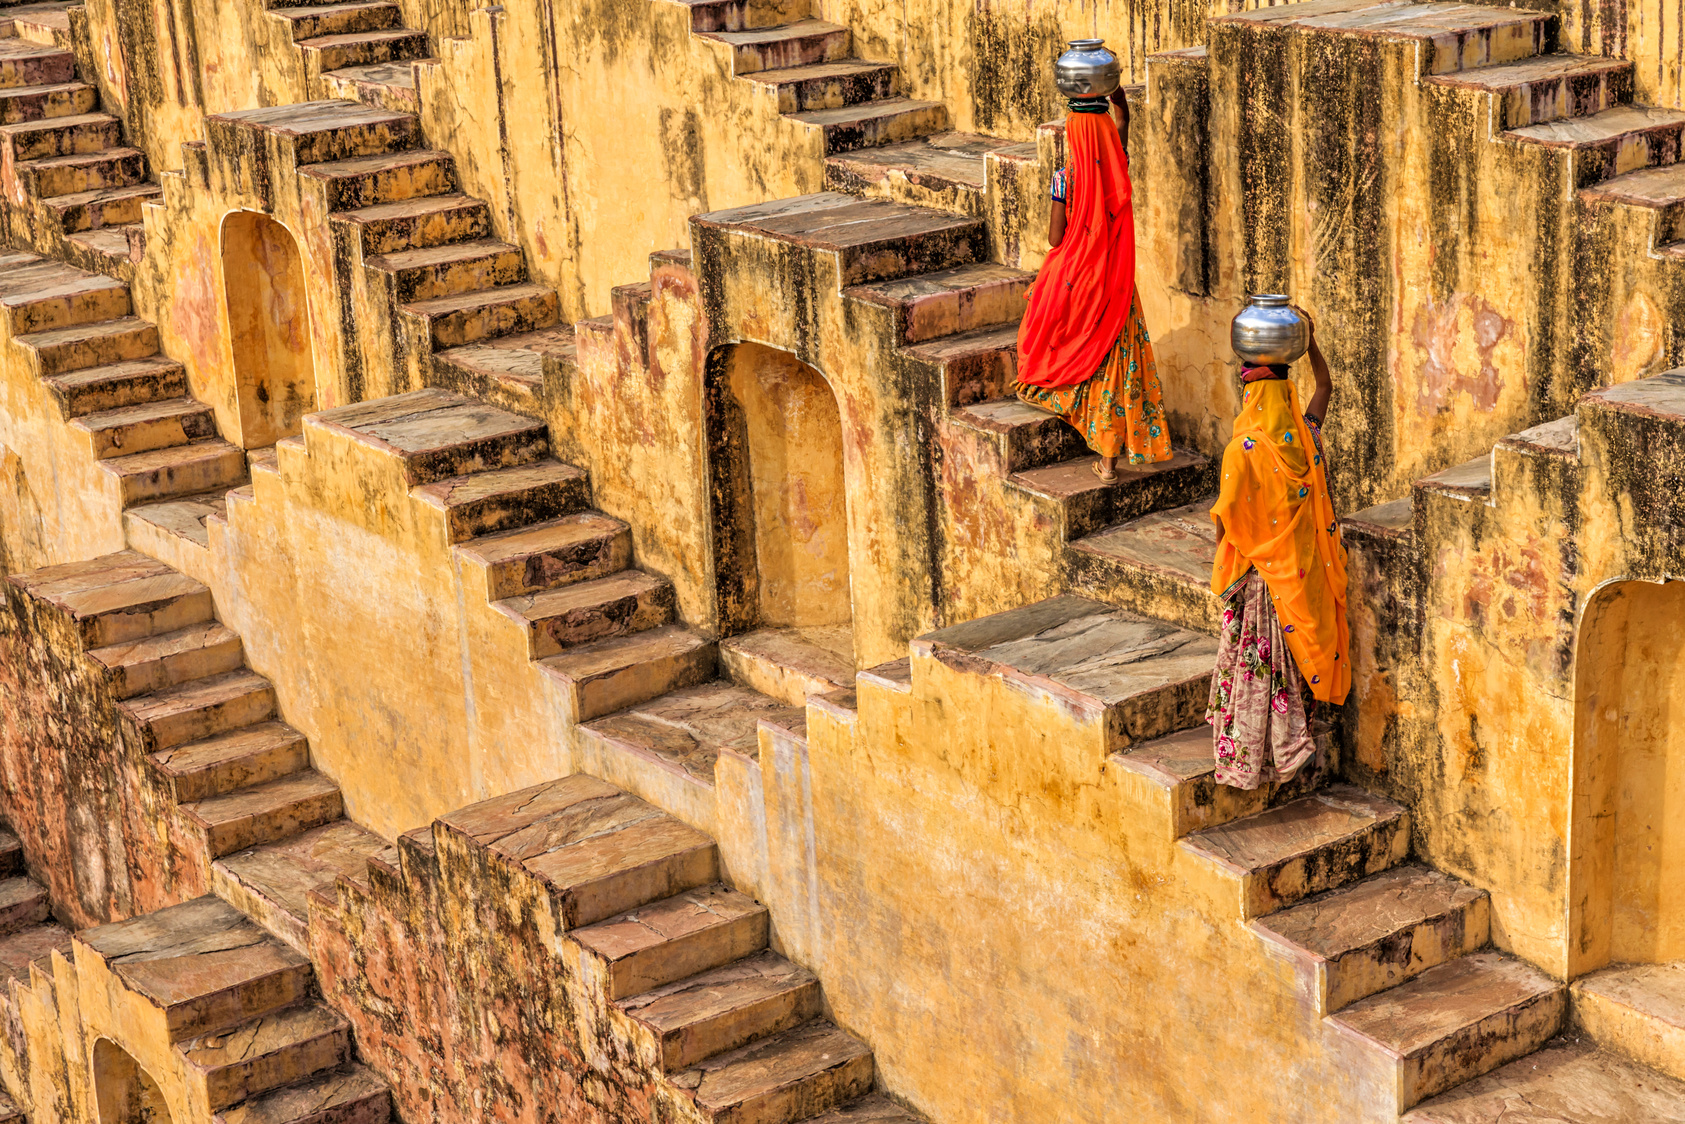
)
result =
(1638, 1010)
(1087, 505)
(272, 882)
(828, 85)
(674, 939)
(729, 15)
(1655, 189)
(1019, 436)
(318, 132)
(1570, 1081)
(791, 1076)
(97, 344)
(1159, 564)
(1450, 36)
(437, 435)
(182, 470)
(1621, 139)
(724, 1008)
(338, 19)
(872, 1110)
(599, 851)
(119, 598)
(1470, 482)
(802, 43)
(944, 165)
(1456, 1021)
(407, 224)
(979, 365)
(608, 675)
(163, 527)
(1180, 771)
(486, 503)
(365, 48)
(1547, 88)
(679, 734)
(54, 99)
(557, 619)
(791, 664)
(34, 946)
(515, 362)
(968, 297)
(110, 206)
(11, 854)
(875, 123)
(551, 554)
(23, 63)
(458, 267)
(351, 1094)
(60, 136)
(59, 176)
(1317, 843)
(46, 22)
(390, 85)
(151, 425)
(463, 318)
(262, 1055)
(113, 248)
(170, 659)
(263, 813)
(205, 966)
(23, 902)
(199, 709)
(235, 759)
(44, 296)
(1353, 942)
(385, 177)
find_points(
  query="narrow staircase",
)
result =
(357, 51)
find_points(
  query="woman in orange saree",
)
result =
(1281, 572)
(1083, 351)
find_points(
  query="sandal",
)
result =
(1094, 467)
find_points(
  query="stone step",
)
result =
(674, 939)
(119, 598)
(1654, 189)
(205, 966)
(60, 136)
(45, 296)
(167, 527)
(386, 177)
(829, 85)
(876, 123)
(1455, 1022)
(351, 1094)
(551, 554)
(1286, 854)
(1018, 436)
(1570, 1081)
(458, 267)
(1159, 564)
(1447, 37)
(317, 20)
(598, 851)
(1087, 505)
(263, 813)
(928, 306)
(32, 947)
(23, 902)
(151, 425)
(196, 710)
(265, 1054)
(464, 318)
(273, 882)
(437, 435)
(390, 85)
(1469, 482)
(976, 366)
(11, 854)
(487, 503)
(170, 659)
(514, 362)
(182, 470)
(873, 1110)
(97, 344)
(23, 63)
(733, 15)
(219, 764)
(365, 48)
(1177, 773)
(1350, 943)
(792, 664)
(55, 99)
(1546, 88)
(557, 619)
(1621, 139)
(803, 1072)
(1638, 1010)
(724, 1008)
(623, 671)
(46, 22)
(802, 43)
(110, 206)
(118, 247)
(59, 176)
(943, 168)
(409, 224)
(316, 132)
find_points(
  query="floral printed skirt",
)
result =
(1120, 409)
(1260, 711)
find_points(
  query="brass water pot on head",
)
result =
(1087, 70)
(1269, 330)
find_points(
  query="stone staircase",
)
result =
(76, 188)
(357, 51)
(28, 934)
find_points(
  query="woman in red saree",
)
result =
(1083, 352)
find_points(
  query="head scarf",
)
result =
(1277, 516)
(1082, 296)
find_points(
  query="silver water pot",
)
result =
(1269, 330)
(1087, 70)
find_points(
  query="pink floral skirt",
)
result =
(1260, 711)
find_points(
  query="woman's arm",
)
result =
(1056, 224)
(1120, 105)
(1318, 406)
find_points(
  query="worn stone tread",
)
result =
(487, 502)
(1571, 1081)
(1180, 544)
(557, 619)
(687, 730)
(1601, 128)
(182, 517)
(1638, 1009)
(947, 159)
(552, 553)
(352, 1094)
(1647, 187)
(1349, 918)
(1414, 1017)
(1294, 830)
(273, 809)
(23, 902)
(197, 695)
(32, 944)
(810, 1069)
(282, 874)
(222, 763)
(676, 937)
(270, 1051)
(875, 1109)
(167, 659)
(725, 1007)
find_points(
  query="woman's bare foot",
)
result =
(1105, 469)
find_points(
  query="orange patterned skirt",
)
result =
(1120, 409)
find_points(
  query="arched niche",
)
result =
(1627, 832)
(268, 326)
(123, 1091)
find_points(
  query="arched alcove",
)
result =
(125, 1093)
(268, 326)
(1627, 831)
